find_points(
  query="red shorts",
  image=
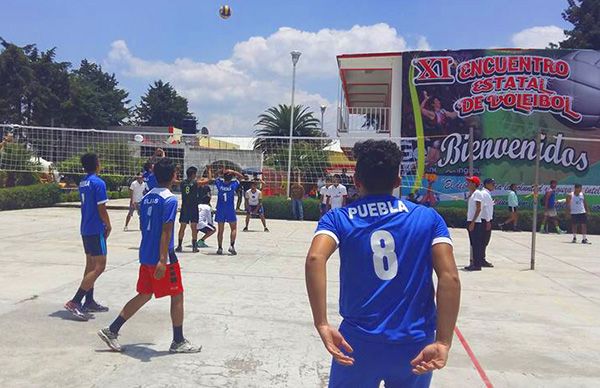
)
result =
(169, 285)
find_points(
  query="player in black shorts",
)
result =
(189, 208)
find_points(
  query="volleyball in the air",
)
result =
(225, 11)
(138, 138)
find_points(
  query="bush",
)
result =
(29, 197)
(456, 218)
(281, 208)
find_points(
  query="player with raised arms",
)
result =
(391, 328)
(226, 188)
(159, 272)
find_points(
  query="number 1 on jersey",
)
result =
(224, 197)
(149, 213)
(384, 252)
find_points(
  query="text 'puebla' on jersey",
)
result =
(386, 267)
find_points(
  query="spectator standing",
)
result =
(136, 192)
(337, 195)
(487, 216)
(550, 215)
(297, 194)
(474, 225)
(513, 206)
(324, 193)
(578, 208)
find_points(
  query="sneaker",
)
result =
(94, 307)
(179, 249)
(220, 251)
(574, 240)
(471, 267)
(76, 310)
(245, 230)
(110, 339)
(202, 244)
(560, 231)
(195, 250)
(585, 241)
(267, 230)
(487, 264)
(125, 229)
(232, 250)
(184, 347)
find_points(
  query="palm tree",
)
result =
(274, 131)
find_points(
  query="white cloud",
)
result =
(228, 95)
(538, 37)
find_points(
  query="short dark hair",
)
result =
(578, 185)
(89, 161)
(337, 176)
(164, 170)
(512, 185)
(191, 171)
(377, 164)
(553, 181)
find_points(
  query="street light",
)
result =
(323, 108)
(295, 56)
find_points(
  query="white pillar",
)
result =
(396, 105)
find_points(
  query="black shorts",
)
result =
(94, 245)
(512, 209)
(579, 218)
(189, 214)
(207, 229)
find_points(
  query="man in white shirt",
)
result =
(474, 224)
(324, 192)
(205, 223)
(578, 209)
(487, 215)
(337, 194)
(254, 205)
(136, 192)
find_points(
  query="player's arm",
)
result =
(321, 249)
(476, 215)
(585, 205)
(102, 199)
(546, 199)
(168, 219)
(239, 175)
(435, 356)
(206, 181)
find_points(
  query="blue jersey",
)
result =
(92, 192)
(157, 208)
(386, 287)
(150, 180)
(226, 194)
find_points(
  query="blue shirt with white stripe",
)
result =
(157, 208)
(386, 286)
(92, 192)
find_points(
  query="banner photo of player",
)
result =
(505, 96)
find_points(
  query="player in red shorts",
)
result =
(159, 269)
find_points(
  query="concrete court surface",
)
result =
(250, 312)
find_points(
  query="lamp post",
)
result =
(323, 109)
(295, 56)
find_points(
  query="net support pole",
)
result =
(471, 168)
(536, 189)
(289, 169)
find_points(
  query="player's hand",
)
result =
(160, 270)
(334, 342)
(471, 226)
(107, 230)
(432, 357)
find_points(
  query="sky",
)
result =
(232, 70)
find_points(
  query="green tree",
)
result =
(33, 85)
(584, 15)
(95, 100)
(308, 152)
(162, 106)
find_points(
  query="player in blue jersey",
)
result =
(148, 175)
(391, 330)
(159, 269)
(226, 189)
(95, 229)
